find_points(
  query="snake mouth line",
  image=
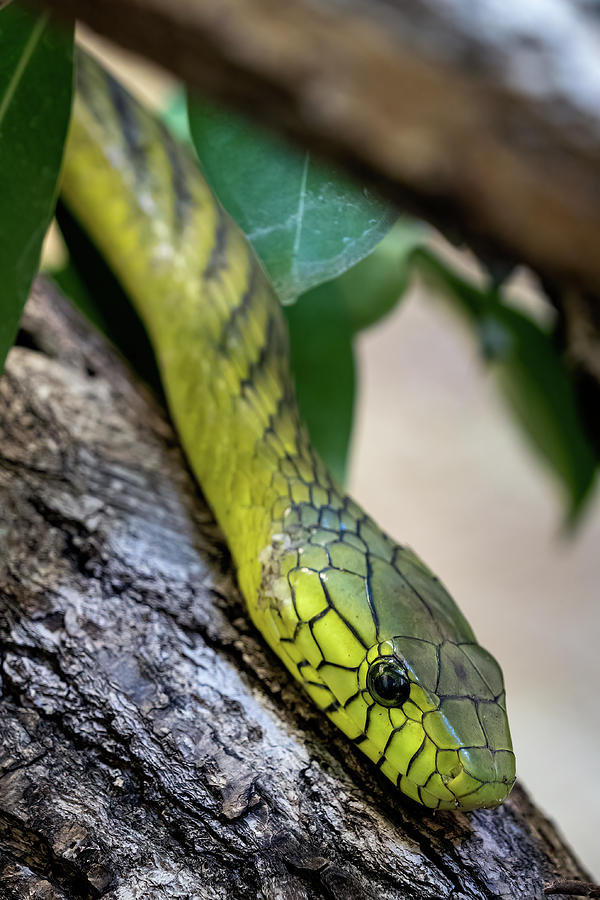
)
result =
(473, 793)
(487, 795)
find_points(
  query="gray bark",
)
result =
(150, 746)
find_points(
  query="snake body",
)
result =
(371, 634)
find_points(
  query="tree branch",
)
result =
(149, 745)
(482, 118)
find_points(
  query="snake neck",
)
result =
(209, 310)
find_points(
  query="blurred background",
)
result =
(438, 463)
(441, 466)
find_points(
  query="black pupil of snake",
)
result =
(388, 683)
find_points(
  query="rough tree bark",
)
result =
(150, 747)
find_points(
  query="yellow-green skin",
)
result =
(327, 589)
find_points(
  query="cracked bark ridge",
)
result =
(150, 747)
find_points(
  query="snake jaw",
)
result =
(464, 779)
(496, 771)
(494, 787)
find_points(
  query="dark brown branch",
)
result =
(149, 745)
(572, 889)
(460, 112)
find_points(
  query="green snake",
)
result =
(370, 633)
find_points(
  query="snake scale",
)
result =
(370, 633)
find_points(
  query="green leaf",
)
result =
(372, 288)
(36, 76)
(322, 358)
(323, 324)
(533, 379)
(307, 222)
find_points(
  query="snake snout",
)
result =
(485, 778)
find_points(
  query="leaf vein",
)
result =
(300, 211)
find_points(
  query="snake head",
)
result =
(428, 702)
(436, 721)
(381, 647)
(410, 684)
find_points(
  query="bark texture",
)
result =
(150, 747)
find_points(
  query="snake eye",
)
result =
(388, 683)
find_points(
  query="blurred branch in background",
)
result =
(484, 120)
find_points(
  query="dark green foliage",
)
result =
(324, 370)
(36, 65)
(323, 324)
(532, 376)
